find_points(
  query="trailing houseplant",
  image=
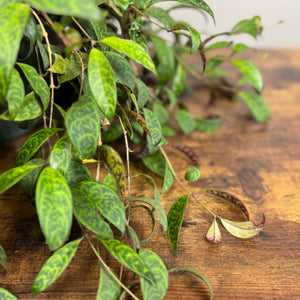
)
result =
(94, 72)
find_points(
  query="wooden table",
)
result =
(260, 163)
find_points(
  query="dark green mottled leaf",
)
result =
(208, 125)
(31, 34)
(128, 257)
(175, 218)
(198, 274)
(54, 207)
(134, 239)
(59, 65)
(5, 294)
(124, 3)
(155, 163)
(28, 182)
(100, 30)
(54, 266)
(106, 200)
(110, 181)
(179, 80)
(143, 93)
(60, 156)
(108, 287)
(112, 133)
(249, 69)
(83, 125)
(161, 113)
(15, 93)
(77, 172)
(257, 105)
(13, 21)
(132, 50)
(155, 129)
(195, 3)
(122, 68)
(213, 233)
(3, 259)
(33, 144)
(248, 26)
(115, 164)
(165, 58)
(102, 82)
(193, 174)
(159, 271)
(157, 206)
(186, 122)
(43, 53)
(83, 9)
(243, 230)
(140, 120)
(85, 210)
(168, 179)
(37, 82)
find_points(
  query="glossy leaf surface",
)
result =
(102, 82)
(54, 266)
(77, 172)
(106, 200)
(115, 164)
(60, 156)
(77, 8)
(175, 218)
(54, 207)
(213, 233)
(83, 125)
(13, 21)
(132, 50)
(251, 72)
(85, 210)
(257, 105)
(158, 269)
(128, 257)
(108, 287)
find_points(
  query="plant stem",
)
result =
(81, 28)
(182, 185)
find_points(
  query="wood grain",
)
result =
(260, 163)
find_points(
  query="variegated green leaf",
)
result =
(175, 218)
(213, 64)
(122, 68)
(59, 65)
(83, 125)
(54, 266)
(110, 181)
(186, 122)
(193, 174)
(155, 130)
(134, 239)
(106, 200)
(239, 47)
(143, 93)
(208, 125)
(77, 172)
(102, 82)
(248, 26)
(251, 72)
(15, 93)
(161, 15)
(257, 105)
(108, 287)
(157, 206)
(13, 21)
(28, 182)
(132, 50)
(3, 259)
(213, 233)
(125, 3)
(160, 112)
(243, 230)
(155, 163)
(60, 156)
(128, 257)
(217, 45)
(168, 179)
(179, 80)
(85, 210)
(5, 294)
(159, 271)
(87, 10)
(115, 164)
(165, 58)
(112, 133)
(194, 3)
(37, 82)
(33, 144)
(54, 207)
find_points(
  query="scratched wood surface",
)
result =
(260, 163)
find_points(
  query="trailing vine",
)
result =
(95, 74)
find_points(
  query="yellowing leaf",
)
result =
(213, 233)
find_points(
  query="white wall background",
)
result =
(229, 12)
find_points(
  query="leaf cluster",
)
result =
(93, 72)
